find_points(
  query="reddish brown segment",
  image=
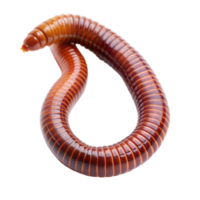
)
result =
(60, 33)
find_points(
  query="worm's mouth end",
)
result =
(25, 48)
(21, 50)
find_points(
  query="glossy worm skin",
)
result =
(60, 33)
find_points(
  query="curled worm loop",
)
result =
(61, 33)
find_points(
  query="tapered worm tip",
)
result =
(21, 50)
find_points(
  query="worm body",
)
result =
(61, 33)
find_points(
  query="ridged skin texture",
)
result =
(60, 33)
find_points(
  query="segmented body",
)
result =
(60, 33)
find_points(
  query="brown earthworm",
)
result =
(61, 33)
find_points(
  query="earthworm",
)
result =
(61, 33)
